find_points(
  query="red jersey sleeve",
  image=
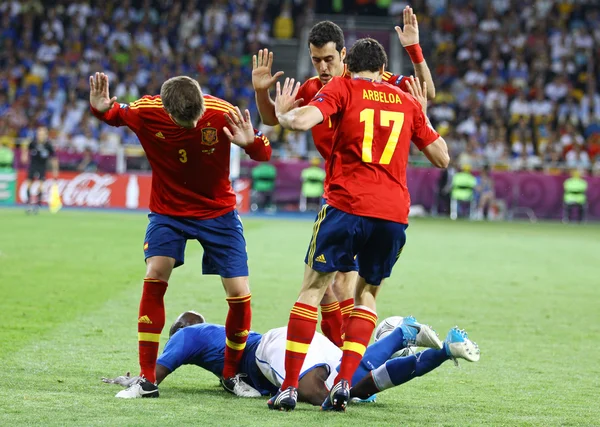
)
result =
(331, 98)
(395, 80)
(260, 149)
(125, 114)
(423, 133)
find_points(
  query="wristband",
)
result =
(415, 53)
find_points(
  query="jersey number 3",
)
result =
(386, 119)
(182, 156)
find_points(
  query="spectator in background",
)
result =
(486, 194)
(575, 196)
(313, 179)
(39, 152)
(263, 186)
(283, 27)
(7, 157)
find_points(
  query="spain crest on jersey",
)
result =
(209, 136)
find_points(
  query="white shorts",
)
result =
(270, 356)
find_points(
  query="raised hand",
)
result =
(99, 94)
(410, 34)
(418, 91)
(286, 98)
(242, 131)
(261, 70)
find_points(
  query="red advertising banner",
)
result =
(98, 190)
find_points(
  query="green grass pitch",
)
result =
(528, 294)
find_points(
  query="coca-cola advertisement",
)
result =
(93, 190)
(101, 190)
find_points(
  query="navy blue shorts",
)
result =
(222, 239)
(339, 237)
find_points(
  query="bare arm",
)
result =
(161, 373)
(24, 153)
(262, 80)
(409, 38)
(291, 117)
(437, 153)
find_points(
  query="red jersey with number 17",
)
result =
(323, 132)
(373, 125)
(190, 167)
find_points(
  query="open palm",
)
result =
(99, 95)
(408, 35)
(261, 70)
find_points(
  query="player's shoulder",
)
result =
(214, 104)
(393, 79)
(148, 105)
(310, 87)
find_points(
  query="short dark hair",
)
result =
(185, 319)
(325, 32)
(182, 98)
(366, 55)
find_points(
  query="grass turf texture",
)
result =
(528, 294)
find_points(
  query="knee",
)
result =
(158, 270)
(344, 285)
(236, 286)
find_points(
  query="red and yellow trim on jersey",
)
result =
(146, 103)
(237, 300)
(264, 139)
(387, 76)
(218, 105)
(328, 308)
(148, 337)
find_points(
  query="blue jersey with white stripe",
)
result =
(203, 345)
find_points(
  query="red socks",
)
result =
(358, 334)
(346, 308)
(331, 322)
(151, 321)
(237, 328)
(301, 329)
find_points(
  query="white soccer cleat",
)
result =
(419, 335)
(238, 387)
(141, 388)
(459, 346)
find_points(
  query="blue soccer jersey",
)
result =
(203, 345)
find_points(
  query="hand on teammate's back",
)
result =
(418, 91)
(286, 97)
(261, 70)
(99, 94)
(242, 131)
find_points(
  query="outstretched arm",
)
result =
(409, 37)
(291, 117)
(105, 108)
(240, 132)
(262, 80)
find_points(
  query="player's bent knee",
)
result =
(236, 286)
(160, 267)
(312, 388)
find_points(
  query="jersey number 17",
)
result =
(386, 119)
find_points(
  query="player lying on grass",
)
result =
(327, 49)
(194, 342)
(187, 138)
(366, 214)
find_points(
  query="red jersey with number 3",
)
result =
(323, 133)
(190, 167)
(373, 126)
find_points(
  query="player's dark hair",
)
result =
(325, 32)
(182, 98)
(366, 55)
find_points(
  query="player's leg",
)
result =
(312, 388)
(403, 369)
(344, 286)
(383, 242)
(225, 255)
(331, 317)
(164, 247)
(330, 250)
(27, 185)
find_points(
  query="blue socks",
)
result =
(403, 369)
(379, 353)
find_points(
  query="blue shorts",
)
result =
(222, 239)
(339, 237)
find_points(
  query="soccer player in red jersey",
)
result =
(366, 214)
(187, 138)
(326, 45)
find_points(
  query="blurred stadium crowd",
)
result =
(517, 81)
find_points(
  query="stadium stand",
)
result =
(517, 87)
